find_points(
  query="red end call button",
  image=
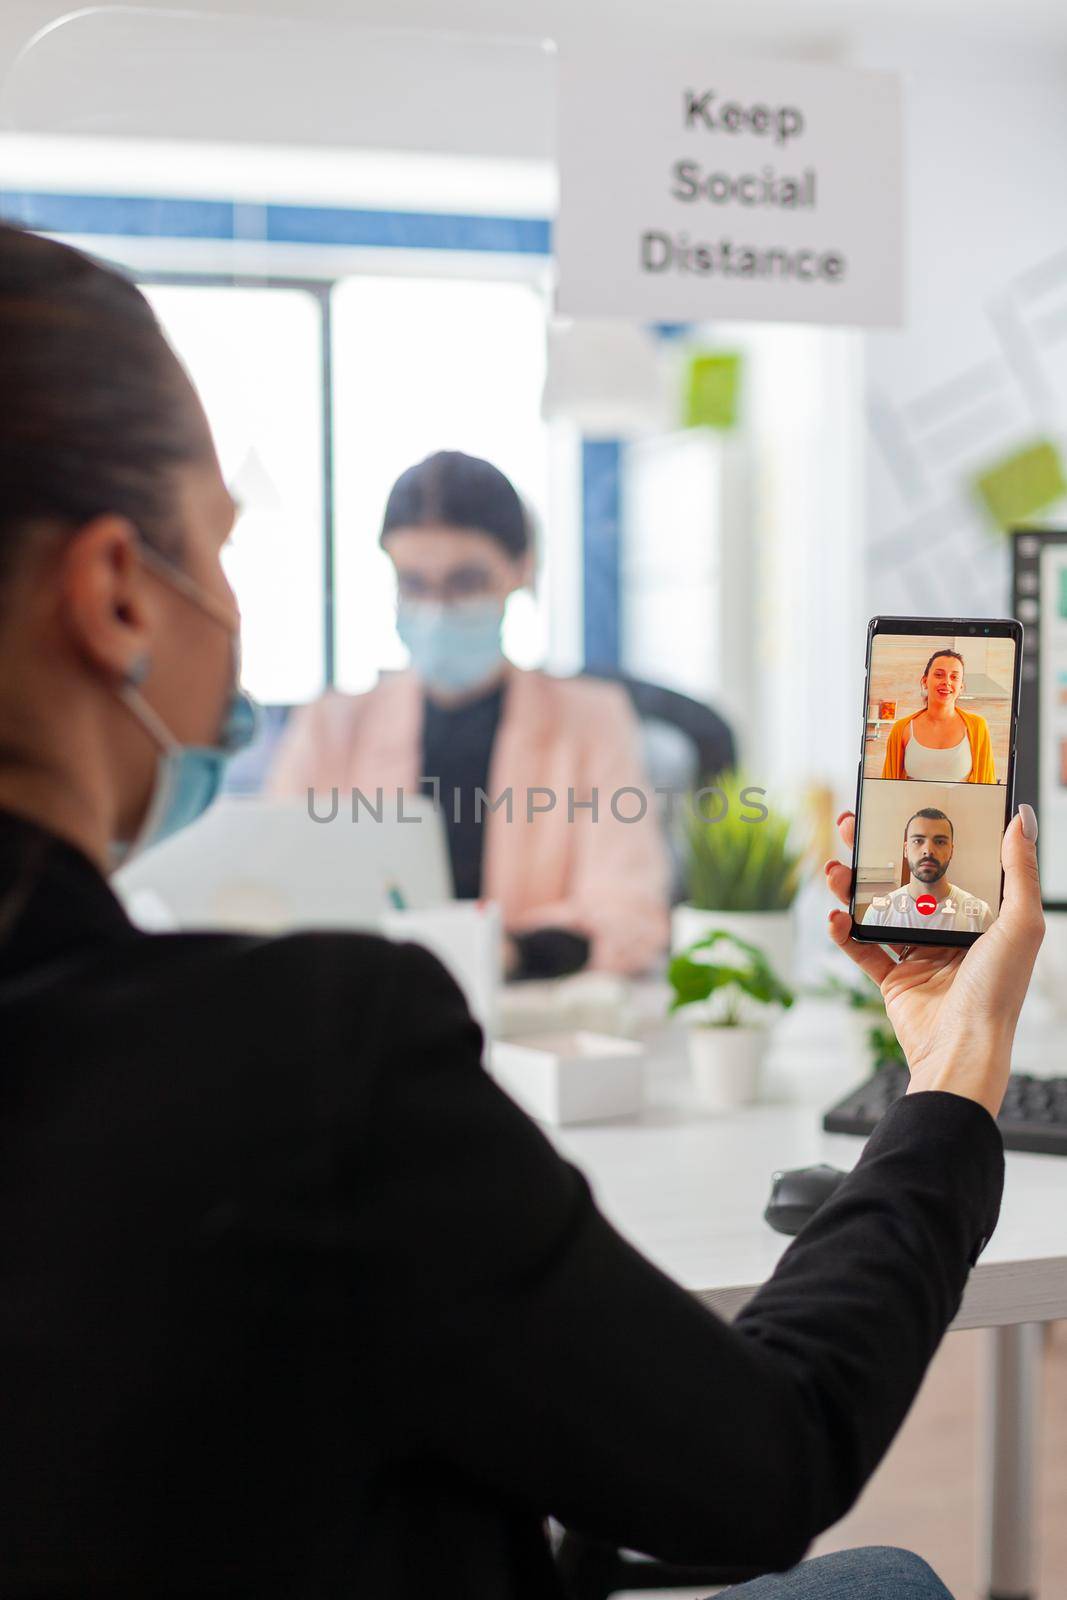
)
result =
(925, 904)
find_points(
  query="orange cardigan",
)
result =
(982, 768)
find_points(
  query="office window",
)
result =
(255, 355)
(423, 364)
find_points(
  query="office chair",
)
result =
(709, 737)
(685, 744)
(591, 1569)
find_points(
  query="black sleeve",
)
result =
(536, 1351)
(549, 953)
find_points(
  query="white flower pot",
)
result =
(725, 1064)
(771, 931)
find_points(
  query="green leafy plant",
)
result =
(734, 981)
(743, 862)
(881, 1037)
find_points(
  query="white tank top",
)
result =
(937, 766)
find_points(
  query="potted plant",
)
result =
(731, 987)
(743, 873)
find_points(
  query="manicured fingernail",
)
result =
(1028, 818)
(842, 817)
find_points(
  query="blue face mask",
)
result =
(452, 647)
(188, 777)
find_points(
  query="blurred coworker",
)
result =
(940, 743)
(574, 886)
(928, 900)
(295, 1300)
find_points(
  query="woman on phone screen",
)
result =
(940, 743)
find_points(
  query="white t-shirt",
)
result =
(959, 912)
(937, 766)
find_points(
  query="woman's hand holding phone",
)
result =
(955, 1011)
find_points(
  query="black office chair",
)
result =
(685, 744)
(591, 1569)
(708, 735)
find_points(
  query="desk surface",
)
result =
(688, 1187)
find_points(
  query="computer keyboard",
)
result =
(1033, 1117)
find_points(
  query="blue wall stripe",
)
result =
(120, 214)
(407, 230)
(146, 217)
(601, 555)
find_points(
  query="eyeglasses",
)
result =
(462, 583)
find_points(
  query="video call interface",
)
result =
(935, 766)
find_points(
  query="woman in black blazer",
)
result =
(293, 1300)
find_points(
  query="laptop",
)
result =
(268, 866)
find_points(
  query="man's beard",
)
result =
(929, 871)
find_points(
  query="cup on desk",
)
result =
(465, 936)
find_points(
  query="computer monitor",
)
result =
(1039, 587)
(267, 865)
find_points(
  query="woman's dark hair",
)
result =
(95, 409)
(457, 491)
(95, 412)
(937, 657)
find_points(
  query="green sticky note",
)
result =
(1023, 484)
(712, 389)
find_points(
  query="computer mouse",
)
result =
(797, 1195)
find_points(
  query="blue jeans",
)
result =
(875, 1573)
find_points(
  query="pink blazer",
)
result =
(605, 878)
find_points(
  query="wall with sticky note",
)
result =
(967, 405)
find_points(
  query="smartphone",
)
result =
(936, 782)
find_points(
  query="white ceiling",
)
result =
(787, 24)
(460, 77)
(794, 18)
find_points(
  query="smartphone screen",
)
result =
(936, 777)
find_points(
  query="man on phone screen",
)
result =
(928, 899)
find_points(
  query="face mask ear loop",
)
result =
(138, 671)
(131, 696)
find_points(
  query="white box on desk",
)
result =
(571, 1077)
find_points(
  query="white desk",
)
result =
(689, 1187)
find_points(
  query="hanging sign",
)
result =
(695, 188)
